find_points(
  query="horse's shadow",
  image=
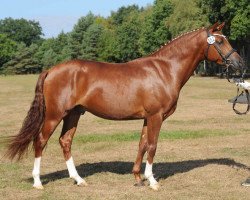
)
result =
(162, 170)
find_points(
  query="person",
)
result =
(244, 85)
(243, 98)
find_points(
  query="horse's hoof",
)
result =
(139, 184)
(82, 184)
(39, 187)
(155, 187)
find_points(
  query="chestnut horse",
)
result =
(146, 88)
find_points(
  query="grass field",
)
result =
(203, 150)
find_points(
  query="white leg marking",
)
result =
(73, 173)
(36, 174)
(149, 175)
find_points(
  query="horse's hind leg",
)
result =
(39, 143)
(65, 140)
(141, 152)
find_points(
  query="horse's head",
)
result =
(219, 49)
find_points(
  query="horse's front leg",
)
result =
(153, 128)
(141, 152)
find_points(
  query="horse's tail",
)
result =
(18, 145)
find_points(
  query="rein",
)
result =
(211, 41)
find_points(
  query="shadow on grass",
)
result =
(161, 170)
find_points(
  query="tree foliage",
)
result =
(240, 23)
(77, 35)
(128, 33)
(122, 14)
(7, 49)
(194, 18)
(89, 47)
(236, 14)
(23, 61)
(155, 32)
(21, 30)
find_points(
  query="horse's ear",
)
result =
(217, 26)
(220, 27)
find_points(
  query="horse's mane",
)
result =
(177, 38)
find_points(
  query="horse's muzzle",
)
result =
(236, 63)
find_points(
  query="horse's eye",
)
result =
(220, 42)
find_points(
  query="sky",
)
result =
(55, 16)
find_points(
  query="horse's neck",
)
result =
(183, 56)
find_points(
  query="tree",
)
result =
(62, 47)
(122, 14)
(23, 61)
(155, 32)
(49, 59)
(236, 14)
(53, 51)
(7, 49)
(128, 35)
(119, 41)
(77, 35)
(240, 23)
(107, 47)
(194, 18)
(21, 30)
(90, 42)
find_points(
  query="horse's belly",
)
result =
(117, 116)
(116, 112)
(115, 108)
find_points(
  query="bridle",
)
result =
(225, 58)
(212, 41)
